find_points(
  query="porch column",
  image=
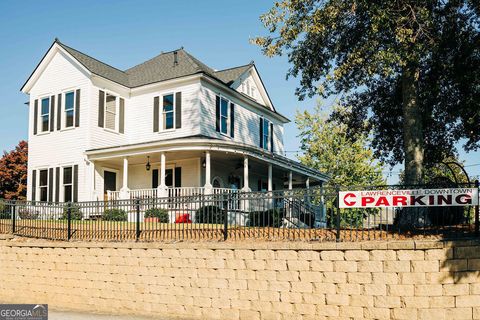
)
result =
(290, 180)
(270, 179)
(246, 187)
(124, 194)
(208, 184)
(93, 184)
(307, 183)
(162, 188)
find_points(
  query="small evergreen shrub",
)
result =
(114, 215)
(75, 213)
(210, 214)
(4, 211)
(268, 218)
(160, 214)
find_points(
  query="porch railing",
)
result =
(171, 192)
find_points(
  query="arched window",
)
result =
(217, 182)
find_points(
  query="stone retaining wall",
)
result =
(381, 280)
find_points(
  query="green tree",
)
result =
(350, 162)
(327, 147)
(409, 69)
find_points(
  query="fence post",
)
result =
(13, 216)
(225, 218)
(477, 214)
(337, 203)
(137, 206)
(69, 221)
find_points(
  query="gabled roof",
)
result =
(231, 74)
(165, 66)
(97, 67)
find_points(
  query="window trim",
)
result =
(117, 109)
(63, 182)
(39, 192)
(40, 118)
(161, 113)
(64, 108)
(227, 134)
(266, 124)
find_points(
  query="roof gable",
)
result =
(165, 66)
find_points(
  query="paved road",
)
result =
(63, 315)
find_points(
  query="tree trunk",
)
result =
(413, 146)
(412, 127)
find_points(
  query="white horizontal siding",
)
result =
(247, 120)
(139, 115)
(66, 147)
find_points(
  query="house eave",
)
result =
(198, 143)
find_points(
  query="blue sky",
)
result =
(125, 33)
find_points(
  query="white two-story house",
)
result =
(168, 126)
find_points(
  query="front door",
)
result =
(109, 182)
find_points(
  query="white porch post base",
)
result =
(124, 193)
(208, 188)
(162, 191)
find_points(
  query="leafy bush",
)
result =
(210, 214)
(268, 218)
(75, 213)
(4, 211)
(161, 214)
(25, 213)
(114, 215)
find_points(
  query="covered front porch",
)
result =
(193, 169)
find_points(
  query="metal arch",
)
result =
(461, 167)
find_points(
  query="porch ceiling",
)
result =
(195, 147)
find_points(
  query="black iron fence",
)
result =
(303, 214)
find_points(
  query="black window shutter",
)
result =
(57, 184)
(75, 183)
(34, 184)
(178, 110)
(101, 108)
(59, 112)
(217, 113)
(50, 184)
(35, 117)
(156, 113)
(121, 127)
(52, 113)
(77, 108)
(232, 120)
(261, 132)
(271, 137)
(154, 178)
(178, 177)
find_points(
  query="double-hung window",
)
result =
(67, 184)
(266, 134)
(43, 185)
(110, 111)
(168, 112)
(45, 114)
(223, 115)
(69, 109)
